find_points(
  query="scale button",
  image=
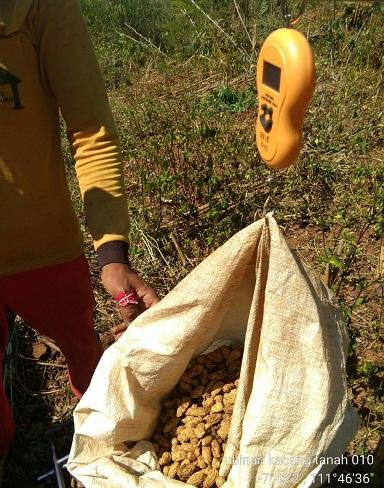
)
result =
(266, 117)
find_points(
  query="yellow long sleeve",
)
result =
(49, 63)
(71, 71)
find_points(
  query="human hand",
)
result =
(117, 277)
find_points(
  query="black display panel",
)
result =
(271, 76)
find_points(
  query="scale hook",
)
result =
(290, 19)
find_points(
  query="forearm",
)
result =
(100, 173)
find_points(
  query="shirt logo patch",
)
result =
(9, 89)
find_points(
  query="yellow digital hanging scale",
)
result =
(285, 83)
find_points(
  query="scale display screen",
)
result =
(271, 76)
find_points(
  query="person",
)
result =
(48, 66)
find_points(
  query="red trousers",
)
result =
(58, 302)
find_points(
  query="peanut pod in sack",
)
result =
(291, 406)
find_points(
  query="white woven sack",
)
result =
(292, 400)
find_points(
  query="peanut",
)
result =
(191, 421)
(185, 387)
(208, 404)
(210, 477)
(215, 448)
(191, 456)
(197, 392)
(216, 388)
(191, 436)
(178, 456)
(173, 469)
(220, 481)
(216, 356)
(197, 478)
(196, 370)
(183, 408)
(205, 441)
(204, 377)
(163, 442)
(217, 375)
(217, 407)
(197, 452)
(228, 409)
(186, 447)
(225, 351)
(165, 459)
(213, 418)
(234, 356)
(200, 430)
(201, 463)
(228, 387)
(170, 412)
(195, 411)
(223, 430)
(186, 378)
(169, 403)
(207, 454)
(186, 471)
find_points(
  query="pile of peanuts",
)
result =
(191, 436)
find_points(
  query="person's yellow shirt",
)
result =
(47, 62)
